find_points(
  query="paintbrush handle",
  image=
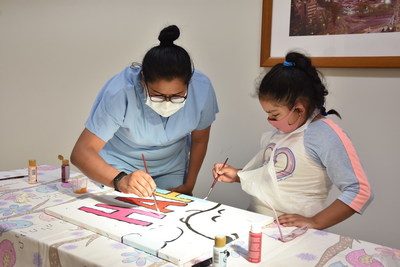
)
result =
(212, 187)
(14, 177)
(155, 201)
(223, 165)
(215, 180)
(147, 171)
(145, 164)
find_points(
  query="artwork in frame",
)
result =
(335, 34)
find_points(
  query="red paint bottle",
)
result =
(255, 242)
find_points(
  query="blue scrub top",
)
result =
(130, 128)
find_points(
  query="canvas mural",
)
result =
(182, 231)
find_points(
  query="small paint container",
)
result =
(79, 184)
(64, 169)
(220, 253)
(32, 172)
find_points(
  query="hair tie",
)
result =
(288, 64)
(167, 43)
(323, 111)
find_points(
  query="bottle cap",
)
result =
(32, 162)
(65, 162)
(255, 228)
(220, 241)
(60, 157)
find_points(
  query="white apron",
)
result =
(258, 179)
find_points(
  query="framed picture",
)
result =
(330, 34)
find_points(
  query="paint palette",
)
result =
(181, 232)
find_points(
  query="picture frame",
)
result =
(268, 34)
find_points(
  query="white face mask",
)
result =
(165, 108)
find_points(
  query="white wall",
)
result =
(56, 55)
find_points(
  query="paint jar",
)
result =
(32, 171)
(255, 241)
(220, 253)
(79, 184)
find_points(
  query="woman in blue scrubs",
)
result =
(162, 109)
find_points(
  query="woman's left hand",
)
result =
(183, 189)
(296, 220)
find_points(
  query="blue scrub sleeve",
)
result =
(107, 113)
(209, 110)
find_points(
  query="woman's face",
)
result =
(174, 87)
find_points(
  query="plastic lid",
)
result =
(64, 161)
(220, 241)
(32, 162)
(255, 228)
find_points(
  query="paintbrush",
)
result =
(13, 177)
(215, 180)
(147, 171)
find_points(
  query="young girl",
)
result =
(298, 162)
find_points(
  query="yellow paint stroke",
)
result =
(173, 196)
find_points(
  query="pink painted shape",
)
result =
(162, 205)
(7, 253)
(358, 258)
(121, 214)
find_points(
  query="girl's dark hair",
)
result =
(167, 61)
(295, 79)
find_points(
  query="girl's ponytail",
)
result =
(318, 91)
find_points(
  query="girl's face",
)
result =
(277, 111)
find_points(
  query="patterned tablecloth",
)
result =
(30, 237)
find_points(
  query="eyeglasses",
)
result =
(176, 99)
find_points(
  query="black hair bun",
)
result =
(168, 35)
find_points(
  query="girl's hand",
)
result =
(228, 174)
(289, 220)
(138, 182)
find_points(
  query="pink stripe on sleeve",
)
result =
(365, 189)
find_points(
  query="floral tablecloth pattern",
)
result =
(29, 237)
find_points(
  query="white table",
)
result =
(29, 237)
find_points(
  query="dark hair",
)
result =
(295, 79)
(167, 61)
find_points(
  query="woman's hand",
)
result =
(227, 174)
(138, 182)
